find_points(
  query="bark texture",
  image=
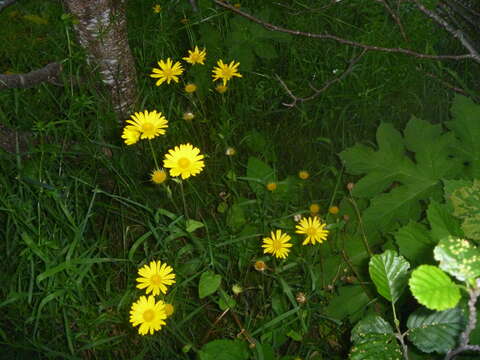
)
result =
(102, 32)
(49, 73)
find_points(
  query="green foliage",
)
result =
(224, 349)
(433, 288)
(459, 258)
(435, 331)
(466, 206)
(209, 284)
(389, 273)
(415, 243)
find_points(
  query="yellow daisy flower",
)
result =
(131, 134)
(147, 313)
(314, 230)
(157, 8)
(190, 88)
(184, 160)
(221, 89)
(158, 176)
(155, 277)
(278, 244)
(148, 125)
(225, 72)
(168, 71)
(304, 175)
(169, 309)
(196, 56)
(271, 186)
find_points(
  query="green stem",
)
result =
(399, 334)
(153, 154)
(183, 200)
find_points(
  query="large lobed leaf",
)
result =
(435, 331)
(415, 243)
(389, 273)
(433, 288)
(458, 257)
(466, 206)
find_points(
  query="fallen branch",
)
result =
(471, 55)
(323, 88)
(49, 73)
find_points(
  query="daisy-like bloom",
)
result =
(148, 125)
(169, 309)
(304, 175)
(147, 313)
(190, 88)
(221, 89)
(333, 210)
(184, 160)
(157, 8)
(158, 176)
(260, 265)
(131, 134)
(168, 71)
(225, 72)
(314, 208)
(196, 56)
(277, 244)
(271, 186)
(155, 277)
(314, 230)
(188, 115)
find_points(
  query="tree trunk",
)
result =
(102, 32)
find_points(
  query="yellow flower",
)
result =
(314, 230)
(147, 313)
(184, 160)
(225, 72)
(333, 210)
(278, 244)
(196, 56)
(158, 176)
(304, 175)
(155, 277)
(260, 265)
(188, 115)
(271, 186)
(169, 309)
(157, 8)
(131, 134)
(221, 88)
(314, 208)
(167, 72)
(190, 88)
(146, 125)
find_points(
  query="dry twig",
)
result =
(48, 73)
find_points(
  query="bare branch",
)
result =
(472, 55)
(49, 73)
(323, 88)
(395, 17)
(5, 3)
(449, 85)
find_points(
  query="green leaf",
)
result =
(342, 306)
(370, 325)
(433, 288)
(236, 217)
(389, 273)
(224, 349)
(466, 126)
(459, 258)
(209, 283)
(415, 243)
(378, 347)
(192, 225)
(435, 331)
(265, 50)
(259, 171)
(441, 222)
(294, 335)
(466, 206)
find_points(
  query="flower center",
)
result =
(184, 163)
(227, 73)
(167, 72)
(147, 127)
(148, 315)
(277, 244)
(311, 231)
(156, 279)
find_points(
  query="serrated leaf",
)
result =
(466, 206)
(369, 325)
(209, 283)
(466, 126)
(224, 349)
(415, 243)
(433, 288)
(435, 331)
(378, 347)
(389, 273)
(442, 223)
(458, 257)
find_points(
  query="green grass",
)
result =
(79, 216)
